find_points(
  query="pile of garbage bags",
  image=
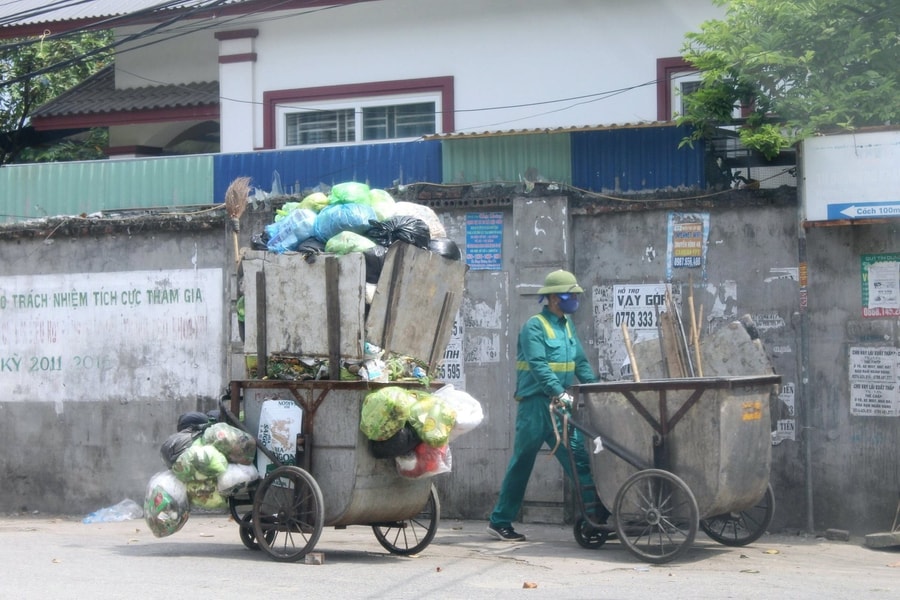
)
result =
(355, 218)
(415, 427)
(206, 462)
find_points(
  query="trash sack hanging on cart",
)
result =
(385, 412)
(199, 462)
(424, 461)
(469, 413)
(166, 504)
(402, 442)
(236, 479)
(205, 494)
(176, 444)
(236, 445)
(432, 418)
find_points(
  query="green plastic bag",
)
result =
(346, 242)
(432, 419)
(350, 192)
(385, 412)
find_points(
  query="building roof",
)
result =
(31, 12)
(31, 17)
(98, 94)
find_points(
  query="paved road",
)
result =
(62, 558)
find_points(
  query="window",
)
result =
(675, 79)
(358, 113)
(358, 124)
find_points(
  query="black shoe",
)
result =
(507, 534)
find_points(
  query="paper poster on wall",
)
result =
(484, 241)
(638, 306)
(131, 335)
(687, 234)
(880, 285)
(873, 375)
(451, 368)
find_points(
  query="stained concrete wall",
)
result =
(93, 383)
(854, 456)
(92, 449)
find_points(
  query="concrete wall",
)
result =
(99, 355)
(853, 452)
(71, 443)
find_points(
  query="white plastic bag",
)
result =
(469, 413)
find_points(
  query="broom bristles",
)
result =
(236, 197)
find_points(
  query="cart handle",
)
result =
(608, 443)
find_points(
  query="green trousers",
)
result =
(534, 428)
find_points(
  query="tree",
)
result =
(800, 66)
(35, 71)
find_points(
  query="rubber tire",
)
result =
(742, 527)
(288, 514)
(413, 535)
(587, 536)
(656, 516)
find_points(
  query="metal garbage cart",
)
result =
(300, 307)
(678, 455)
(335, 480)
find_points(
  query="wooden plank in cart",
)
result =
(415, 303)
(309, 311)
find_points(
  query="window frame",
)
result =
(277, 102)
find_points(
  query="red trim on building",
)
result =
(665, 68)
(443, 85)
(139, 117)
(237, 58)
(237, 34)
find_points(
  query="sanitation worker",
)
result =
(549, 359)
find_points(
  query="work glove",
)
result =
(564, 400)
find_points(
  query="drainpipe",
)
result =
(803, 387)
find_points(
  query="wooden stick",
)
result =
(697, 343)
(630, 350)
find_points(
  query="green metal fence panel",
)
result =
(508, 158)
(72, 188)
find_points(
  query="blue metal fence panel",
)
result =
(379, 165)
(642, 159)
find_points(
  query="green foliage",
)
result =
(35, 71)
(801, 66)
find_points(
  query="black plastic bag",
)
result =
(400, 228)
(445, 247)
(176, 444)
(194, 421)
(402, 442)
(374, 262)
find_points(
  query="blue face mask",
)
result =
(568, 303)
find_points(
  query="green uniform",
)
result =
(549, 359)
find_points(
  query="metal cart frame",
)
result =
(667, 483)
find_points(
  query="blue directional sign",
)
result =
(864, 210)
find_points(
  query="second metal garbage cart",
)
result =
(678, 455)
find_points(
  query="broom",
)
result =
(235, 204)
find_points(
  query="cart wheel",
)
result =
(241, 509)
(411, 536)
(587, 536)
(656, 515)
(744, 527)
(288, 513)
